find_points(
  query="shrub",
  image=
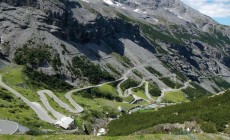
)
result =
(153, 71)
(36, 78)
(214, 110)
(154, 90)
(128, 83)
(31, 56)
(196, 92)
(221, 83)
(136, 72)
(81, 66)
(34, 132)
(170, 83)
(208, 127)
(5, 96)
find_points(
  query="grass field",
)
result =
(128, 99)
(97, 104)
(106, 88)
(14, 109)
(140, 93)
(131, 137)
(13, 74)
(175, 97)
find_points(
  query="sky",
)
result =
(217, 9)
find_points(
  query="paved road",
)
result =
(159, 99)
(129, 90)
(125, 76)
(119, 90)
(186, 84)
(44, 100)
(57, 100)
(77, 106)
(8, 127)
(147, 91)
(136, 98)
(41, 112)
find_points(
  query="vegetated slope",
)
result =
(145, 137)
(110, 37)
(99, 103)
(14, 109)
(211, 112)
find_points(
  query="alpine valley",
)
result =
(118, 69)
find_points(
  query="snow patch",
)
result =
(85, 1)
(155, 19)
(118, 4)
(110, 2)
(139, 11)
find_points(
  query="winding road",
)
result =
(44, 100)
(159, 99)
(57, 100)
(8, 127)
(125, 76)
(43, 113)
(40, 111)
(147, 91)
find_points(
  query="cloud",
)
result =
(212, 8)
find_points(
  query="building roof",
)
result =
(65, 122)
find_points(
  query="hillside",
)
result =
(146, 137)
(211, 113)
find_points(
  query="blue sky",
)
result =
(217, 9)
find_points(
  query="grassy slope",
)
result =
(140, 93)
(142, 137)
(13, 74)
(196, 92)
(18, 111)
(106, 88)
(128, 99)
(207, 109)
(175, 97)
(97, 104)
(97, 108)
(15, 78)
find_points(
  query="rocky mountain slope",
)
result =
(116, 35)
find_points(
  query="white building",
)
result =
(66, 122)
(101, 132)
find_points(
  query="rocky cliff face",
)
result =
(114, 32)
(21, 2)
